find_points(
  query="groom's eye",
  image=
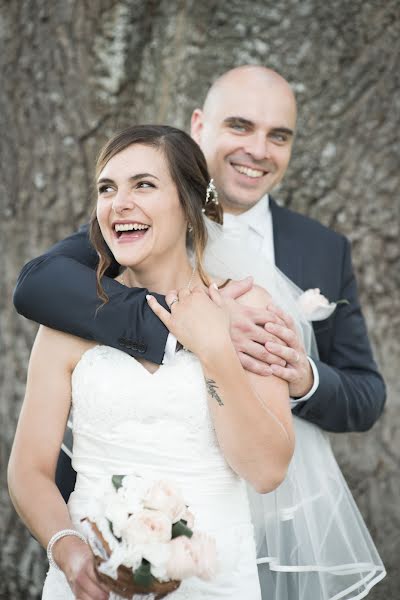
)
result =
(279, 137)
(239, 125)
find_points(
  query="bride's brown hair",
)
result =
(188, 170)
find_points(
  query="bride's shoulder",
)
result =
(66, 347)
(257, 297)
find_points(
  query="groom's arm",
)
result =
(351, 392)
(58, 289)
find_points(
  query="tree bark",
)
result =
(73, 72)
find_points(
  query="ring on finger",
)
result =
(173, 302)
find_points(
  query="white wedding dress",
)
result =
(126, 420)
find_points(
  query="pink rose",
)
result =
(204, 553)
(195, 556)
(314, 306)
(163, 496)
(181, 563)
(146, 527)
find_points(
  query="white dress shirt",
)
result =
(258, 220)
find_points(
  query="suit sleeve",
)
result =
(58, 289)
(351, 392)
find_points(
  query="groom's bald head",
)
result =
(246, 129)
(239, 78)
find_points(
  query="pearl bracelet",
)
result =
(57, 536)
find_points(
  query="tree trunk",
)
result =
(72, 72)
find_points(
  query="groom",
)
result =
(246, 130)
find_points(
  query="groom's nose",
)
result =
(258, 146)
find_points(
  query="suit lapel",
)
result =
(287, 255)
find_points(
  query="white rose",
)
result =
(116, 511)
(131, 492)
(102, 492)
(118, 557)
(146, 527)
(132, 555)
(189, 518)
(165, 497)
(314, 306)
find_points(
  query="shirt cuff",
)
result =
(295, 401)
(170, 349)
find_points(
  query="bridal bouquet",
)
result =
(142, 536)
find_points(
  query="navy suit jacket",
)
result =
(351, 392)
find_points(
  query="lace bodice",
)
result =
(116, 400)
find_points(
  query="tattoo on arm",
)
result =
(212, 390)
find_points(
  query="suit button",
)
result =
(131, 345)
(140, 347)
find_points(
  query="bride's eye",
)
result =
(104, 189)
(143, 185)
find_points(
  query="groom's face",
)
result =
(246, 132)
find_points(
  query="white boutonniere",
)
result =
(315, 307)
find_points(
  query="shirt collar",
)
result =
(256, 217)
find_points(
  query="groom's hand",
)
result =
(289, 347)
(247, 330)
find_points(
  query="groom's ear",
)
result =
(196, 125)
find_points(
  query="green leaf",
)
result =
(117, 481)
(180, 528)
(112, 530)
(142, 575)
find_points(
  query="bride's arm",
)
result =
(251, 413)
(35, 450)
(255, 425)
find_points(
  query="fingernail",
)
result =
(148, 296)
(214, 285)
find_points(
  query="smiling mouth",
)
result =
(252, 173)
(130, 230)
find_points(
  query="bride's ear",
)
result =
(196, 125)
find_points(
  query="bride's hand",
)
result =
(76, 560)
(197, 319)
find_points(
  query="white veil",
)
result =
(312, 543)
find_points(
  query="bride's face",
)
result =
(138, 208)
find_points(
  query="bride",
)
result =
(199, 419)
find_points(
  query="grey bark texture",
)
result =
(73, 71)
